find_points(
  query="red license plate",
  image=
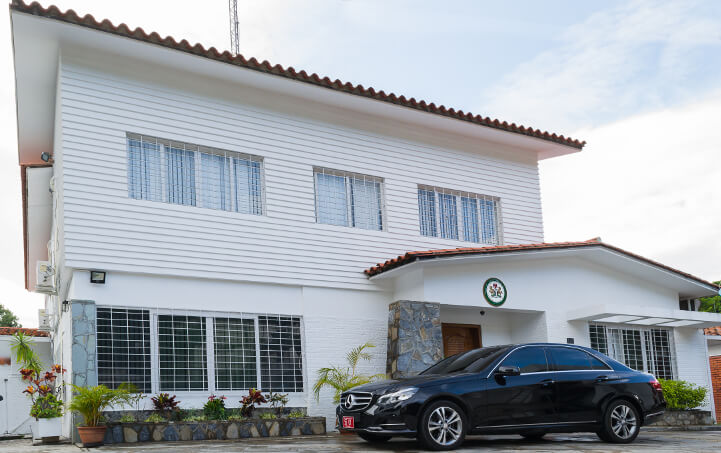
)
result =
(348, 422)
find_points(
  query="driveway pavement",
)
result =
(683, 441)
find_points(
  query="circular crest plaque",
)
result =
(495, 292)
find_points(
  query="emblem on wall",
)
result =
(495, 292)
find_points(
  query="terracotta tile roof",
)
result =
(410, 257)
(70, 16)
(712, 330)
(26, 331)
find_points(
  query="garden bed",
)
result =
(685, 418)
(212, 430)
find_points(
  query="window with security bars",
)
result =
(235, 354)
(182, 353)
(348, 199)
(458, 215)
(123, 348)
(643, 349)
(192, 175)
(281, 359)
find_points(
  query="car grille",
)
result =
(356, 401)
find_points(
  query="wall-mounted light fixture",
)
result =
(65, 305)
(46, 157)
(97, 277)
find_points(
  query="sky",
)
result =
(640, 81)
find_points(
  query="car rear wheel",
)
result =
(442, 426)
(621, 423)
(374, 438)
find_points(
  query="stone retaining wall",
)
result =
(212, 430)
(684, 418)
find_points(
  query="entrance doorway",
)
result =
(460, 338)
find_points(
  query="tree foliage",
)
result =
(711, 304)
(682, 395)
(8, 318)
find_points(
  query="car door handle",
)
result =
(603, 379)
(547, 382)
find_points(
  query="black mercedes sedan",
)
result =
(526, 389)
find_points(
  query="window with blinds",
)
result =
(123, 347)
(348, 199)
(644, 349)
(458, 215)
(192, 175)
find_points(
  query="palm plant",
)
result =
(341, 379)
(25, 355)
(90, 402)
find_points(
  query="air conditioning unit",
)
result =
(45, 282)
(43, 320)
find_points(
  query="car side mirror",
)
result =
(508, 371)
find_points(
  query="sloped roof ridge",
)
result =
(70, 16)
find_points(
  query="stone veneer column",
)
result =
(415, 338)
(83, 360)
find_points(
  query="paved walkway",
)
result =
(686, 441)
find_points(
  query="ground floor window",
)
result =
(159, 350)
(644, 349)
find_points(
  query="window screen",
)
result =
(348, 199)
(529, 360)
(235, 357)
(192, 175)
(281, 360)
(458, 215)
(123, 347)
(182, 353)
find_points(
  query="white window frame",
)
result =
(347, 176)
(645, 347)
(460, 218)
(208, 317)
(198, 171)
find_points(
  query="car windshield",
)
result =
(469, 361)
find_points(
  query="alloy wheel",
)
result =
(445, 426)
(623, 421)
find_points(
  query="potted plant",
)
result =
(47, 408)
(42, 388)
(90, 402)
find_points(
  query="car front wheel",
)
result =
(621, 423)
(442, 426)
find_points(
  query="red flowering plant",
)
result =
(214, 408)
(248, 402)
(44, 390)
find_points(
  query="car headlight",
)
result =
(397, 396)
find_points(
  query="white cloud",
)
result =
(648, 183)
(640, 56)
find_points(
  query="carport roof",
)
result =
(595, 243)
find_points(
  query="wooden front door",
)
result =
(460, 338)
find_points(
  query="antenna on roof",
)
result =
(233, 7)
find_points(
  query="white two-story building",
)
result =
(203, 223)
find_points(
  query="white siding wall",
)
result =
(104, 228)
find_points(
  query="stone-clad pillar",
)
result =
(415, 338)
(83, 360)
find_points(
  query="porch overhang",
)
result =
(644, 316)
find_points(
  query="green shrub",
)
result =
(194, 418)
(268, 416)
(155, 418)
(48, 406)
(214, 408)
(236, 418)
(127, 418)
(296, 414)
(682, 395)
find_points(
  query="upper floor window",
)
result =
(458, 215)
(348, 199)
(192, 175)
